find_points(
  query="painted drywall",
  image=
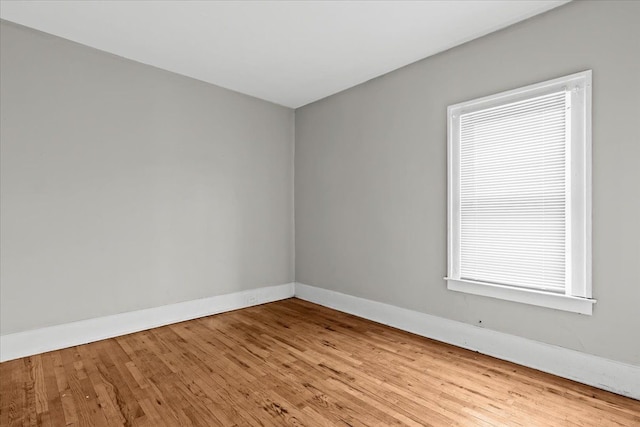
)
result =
(370, 180)
(126, 187)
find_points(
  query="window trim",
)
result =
(578, 293)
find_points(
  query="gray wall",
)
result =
(125, 187)
(370, 183)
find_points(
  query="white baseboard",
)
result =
(36, 341)
(585, 368)
(596, 371)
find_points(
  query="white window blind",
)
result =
(519, 195)
(513, 193)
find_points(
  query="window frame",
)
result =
(578, 290)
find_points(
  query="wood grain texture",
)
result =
(291, 363)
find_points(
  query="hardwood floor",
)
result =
(291, 363)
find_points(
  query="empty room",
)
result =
(320, 213)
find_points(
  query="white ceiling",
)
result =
(288, 52)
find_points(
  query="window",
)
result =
(519, 195)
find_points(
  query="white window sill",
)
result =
(526, 296)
